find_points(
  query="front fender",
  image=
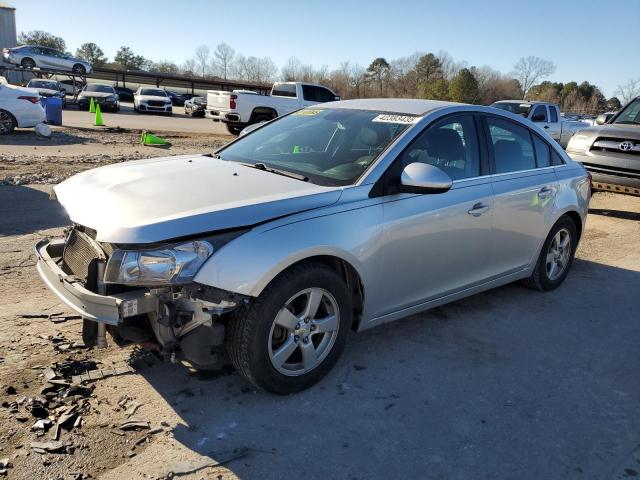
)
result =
(247, 264)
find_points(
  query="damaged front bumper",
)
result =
(110, 309)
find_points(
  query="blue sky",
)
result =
(577, 35)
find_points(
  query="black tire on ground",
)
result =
(79, 69)
(234, 129)
(7, 122)
(28, 63)
(262, 117)
(540, 279)
(248, 332)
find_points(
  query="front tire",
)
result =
(294, 332)
(79, 69)
(28, 63)
(556, 256)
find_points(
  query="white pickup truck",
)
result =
(238, 109)
(546, 115)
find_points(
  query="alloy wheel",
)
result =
(6, 122)
(558, 254)
(303, 332)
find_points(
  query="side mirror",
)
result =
(538, 118)
(601, 119)
(424, 178)
(337, 99)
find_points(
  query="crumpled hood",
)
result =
(152, 200)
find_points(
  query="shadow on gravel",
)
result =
(26, 210)
(28, 137)
(622, 214)
(510, 383)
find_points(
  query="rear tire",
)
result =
(263, 117)
(8, 122)
(28, 63)
(556, 256)
(234, 129)
(274, 347)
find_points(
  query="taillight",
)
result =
(30, 99)
(232, 102)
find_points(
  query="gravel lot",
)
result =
(510, 383)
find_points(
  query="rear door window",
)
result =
(554, 113)
(511, 145)
(543, 157)
(284, 90)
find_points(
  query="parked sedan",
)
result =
(610, 150)
(340, 216)
(48, 88)
(19, 107)
(104, 95)
(125, 94)
(152, 100)
(29, 56)
(195, 106)
(177, 99)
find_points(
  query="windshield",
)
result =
(42, 84)
(630, 114)
(99, 88)
(517, 108)
(328, 146)
(154, 92)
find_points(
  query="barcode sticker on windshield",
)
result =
(386, 118)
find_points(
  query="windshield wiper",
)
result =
(263, 167)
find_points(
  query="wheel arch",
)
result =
(576, 219)
(343, 268)
(263, 111)
(15, 120)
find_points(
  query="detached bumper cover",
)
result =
(111, 309)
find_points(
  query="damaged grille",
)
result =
(81, 256)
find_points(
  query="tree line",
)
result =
(430, 75)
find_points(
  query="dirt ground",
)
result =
(26, 158)
(510, 383)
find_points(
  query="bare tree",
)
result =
(202, 55)
(291, 70)
(189, 66)
(222, 57)
(530, 70)
(628, 91)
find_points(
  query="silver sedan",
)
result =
(33, 56)
(338, 216)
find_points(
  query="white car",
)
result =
(152, 100)
(240, 108)
(19, 107)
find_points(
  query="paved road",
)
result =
(128, 118)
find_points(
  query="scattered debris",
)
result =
(134, 424)
(185, 468)
(10, 390)
(94, 375)
(38, 314)
(48, 447)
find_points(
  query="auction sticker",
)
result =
(388, 118)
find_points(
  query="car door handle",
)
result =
(478, 209)
(545, 192)
(546, 127)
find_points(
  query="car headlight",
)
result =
(176, 264)
(111, 98)
(578, 143)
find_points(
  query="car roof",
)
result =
(526, 102)
(408, 106)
